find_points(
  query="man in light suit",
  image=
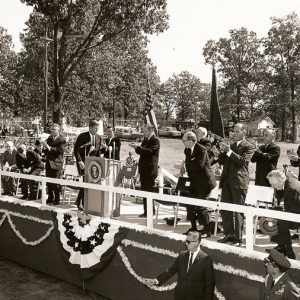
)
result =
(266, 158)
(278, 285)
(195, 272)
(234, 182)
(291, 194)
(87, 144)
(112, 143)
(202, 179)
(54, 149)
(148, 162)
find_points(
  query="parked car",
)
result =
(169, 132)
(128, 133)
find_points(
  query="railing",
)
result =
(248, 211)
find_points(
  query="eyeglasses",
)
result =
(188, 242)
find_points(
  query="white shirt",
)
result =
(93, 140)
(275, 280)
(192, 149)
(194, 254)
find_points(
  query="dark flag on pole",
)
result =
(215, 121)
(149, 115)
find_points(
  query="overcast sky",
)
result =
(192, 23)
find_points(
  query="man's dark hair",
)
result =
(149, 127)
(93, 123)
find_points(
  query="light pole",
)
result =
(112, 87)
(46, 41)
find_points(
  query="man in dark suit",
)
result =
(148, 162)
(291, 194)
(234, 182)
(278, 285)
(202, 180)
(295, 159)
(112, 145)
(266, 158)
(195, 272)
(54, 149)
(28, 162)
(87, 144)
(8, 163)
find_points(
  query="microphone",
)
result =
(86, 144)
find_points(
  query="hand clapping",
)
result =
(224, 147)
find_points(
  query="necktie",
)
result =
(93, 140)
(190, 262)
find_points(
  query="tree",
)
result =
(240, 64)
(8, 79)
(282, 47)
(186, 96)
(98, 22)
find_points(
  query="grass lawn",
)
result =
(171, 151)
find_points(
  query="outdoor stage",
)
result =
(112, 258)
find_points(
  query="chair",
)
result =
(70, 173)
(128, 173)
(259, 196)
(181, 187)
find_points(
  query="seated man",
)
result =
(8, 163)
(291, 194)
(28, 162)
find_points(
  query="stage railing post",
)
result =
(249, 230)
(149, 212)
(160, 180)
(44, 195)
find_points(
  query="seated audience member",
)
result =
(28, 162)
(295, 159)
(278, 285)
(195, 272)
(8, 163)
(291, 195)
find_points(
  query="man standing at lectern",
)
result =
(148, 162)
(87, 144)
(112, 145)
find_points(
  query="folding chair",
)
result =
(128, 173)
(259, 196)
(70, 173)
(181, 187)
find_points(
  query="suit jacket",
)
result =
(235, 172)
(82, 148)
(149, 154)
(56, 152)
(199, 171)
(291, 195)
(284, 289)
(9, 158)
(115, 143)
(297, 162)
(31, 160)
(266, 159)
(197, 283)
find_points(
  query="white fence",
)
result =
(248, 211)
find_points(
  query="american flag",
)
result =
(149, 115)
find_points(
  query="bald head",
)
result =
(201, 133)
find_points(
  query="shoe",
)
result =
(5, 194)
(12, 194)
(290, 255)
(237, 243)
(226, 239)
(49, 200)
(190, 229)
(79, 207)
(205, 233)
(24, 197)
(143, 215)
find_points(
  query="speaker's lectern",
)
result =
(102, 171)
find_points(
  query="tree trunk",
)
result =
(238, 101)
